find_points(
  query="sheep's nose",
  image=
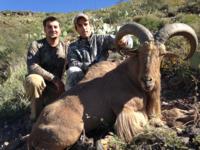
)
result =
(147, 79)
(147, 83)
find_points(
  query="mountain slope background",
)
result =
(18, 29)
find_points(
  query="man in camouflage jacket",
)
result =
(88, 49)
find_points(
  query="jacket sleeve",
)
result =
(33, 59)
(109, 42)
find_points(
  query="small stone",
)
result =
(6, 143)
(185, 140)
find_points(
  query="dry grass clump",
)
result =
(159, 138)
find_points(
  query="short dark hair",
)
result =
(50, 18)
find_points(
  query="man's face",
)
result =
(83, 28)
(52, 29)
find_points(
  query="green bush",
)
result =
(196, 141)
(190, 19)
(152, 22)
(158, 138)
(12, 98)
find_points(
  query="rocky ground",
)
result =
(180, 109)
(12, 133)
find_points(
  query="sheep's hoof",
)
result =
(156, 122)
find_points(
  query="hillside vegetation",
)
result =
(18, 29)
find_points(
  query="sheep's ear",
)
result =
(165, 53)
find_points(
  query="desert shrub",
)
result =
(190, 19)
(157, 139)
(116, 16)
(196, 141)
(16, 36)
(179, 46)
(12, 99)
(5, 52)
(156, 4)
(116, 143)
(152, 22)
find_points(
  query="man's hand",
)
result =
(125, 42)
(60, 87)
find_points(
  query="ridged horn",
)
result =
(138, 30)
(177, 29)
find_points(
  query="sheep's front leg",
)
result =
(154, 108)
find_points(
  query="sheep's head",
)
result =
(152, 50)
(149, 56)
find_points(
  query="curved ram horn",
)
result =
(138, 30)
(176, 29)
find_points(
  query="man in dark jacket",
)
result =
(46, 61)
